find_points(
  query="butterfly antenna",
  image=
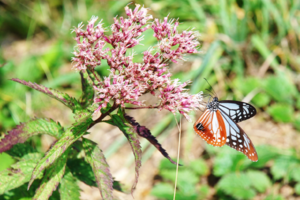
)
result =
(214, 93)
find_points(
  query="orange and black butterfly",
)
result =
(218, 125)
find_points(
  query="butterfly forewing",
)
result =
(238, 139)
(236, 110)
(212, 129)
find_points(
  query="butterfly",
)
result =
(218, 125)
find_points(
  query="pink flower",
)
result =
(115, 88)
(166, 33)
(129, 80)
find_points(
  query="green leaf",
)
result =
(262, 48)
(82, 171)
(297, 188)
(298, 102)
(259, 180)
(229, 161)
(68, 101)
(296, 121)
(26, 130)
(165, 164)
(236, 185)
(96, 159)
(295, 173)
(261, 99)
(249, 84)
(52, 177)
(19, 173)
(68, 187)
(274, 197)
(200, 167)
(186, 179)
(69, 137)
(280, 88)
(20, 192)
(163, 191)
(266, 153)
(282, 167)
(204, 191)
(87, 97)
(6, 161)
(21, 149)
(281, 112)
(133, 141)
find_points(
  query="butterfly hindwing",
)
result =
(238, 139)
(236, 110)
(210, 126)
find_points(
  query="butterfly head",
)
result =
(214, 104)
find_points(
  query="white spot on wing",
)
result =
(233, 106)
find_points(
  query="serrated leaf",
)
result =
(68, 101)
(28, 129)
(20, 192)
(21, 149)
(19, 173)
(281, 112)
(52, 177)
(68, 187)
(96, 159)
(82, 171)
(69, 137)
(259, 180)
(134, 143)
(87, 97)
(236, 185)
(145, 133)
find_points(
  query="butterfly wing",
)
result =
(238, 139)
(237, 110)
(212, 129)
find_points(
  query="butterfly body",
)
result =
(218, 125)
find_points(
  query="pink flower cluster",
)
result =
(90, 50)
(129, 80)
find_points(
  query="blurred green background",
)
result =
(250, 51)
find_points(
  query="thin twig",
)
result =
(145, 107)
(178, 153)
(93, 71)
(102, 116)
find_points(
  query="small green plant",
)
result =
(104, 99)
(188, 178)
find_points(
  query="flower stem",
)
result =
(145, 107)
(102, 116)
